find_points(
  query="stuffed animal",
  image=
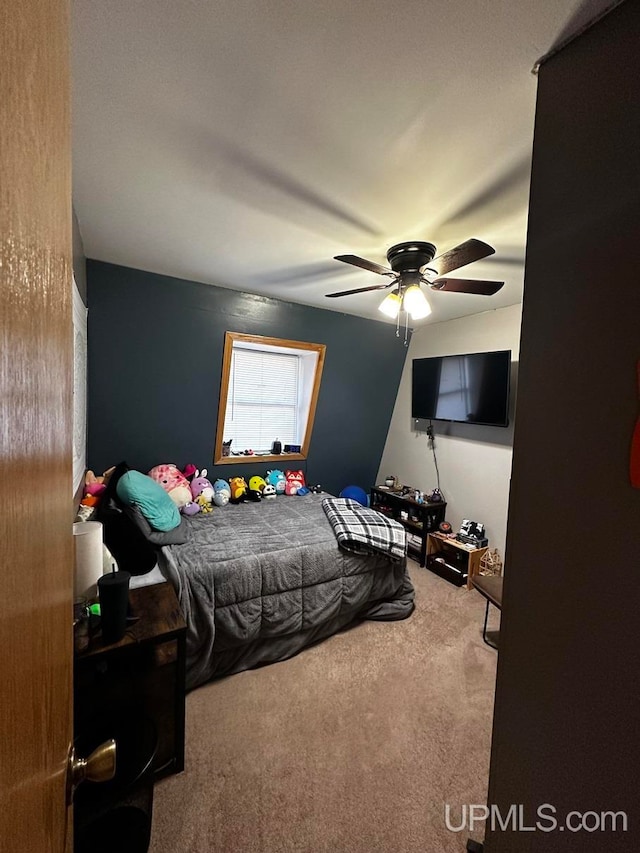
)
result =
(238, 490)
(94, 486)
(189, 471)
(204, 504)
(254, 495)
(174, 483)
(276, 478)
(257, 484)
(269, 491)
(221, 492)
(201, 489)
(192, 508)
(294, 480)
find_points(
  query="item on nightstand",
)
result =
(445, 527)
(221, 492)
(435, 496)
(391, 482)
(472, 528)
(113, 591)
(277, 479)
(238, 490)
(472, 533)
(294, 480)
(88, 557)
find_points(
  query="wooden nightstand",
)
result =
(452, 560)
(144, 673)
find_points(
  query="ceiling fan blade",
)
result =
(355, 261)
(460, 256)
(363, 289)
(466, 285)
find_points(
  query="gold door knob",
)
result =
(100, 766)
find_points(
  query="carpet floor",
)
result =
(353, 746)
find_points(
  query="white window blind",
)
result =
(262, 401)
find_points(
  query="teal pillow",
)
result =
(136, 489)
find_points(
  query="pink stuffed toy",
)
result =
(176, 485)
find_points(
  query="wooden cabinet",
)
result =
(141, 675)
(419, 519)
(453, 560)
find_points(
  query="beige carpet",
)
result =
(353, 746)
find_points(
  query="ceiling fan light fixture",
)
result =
(415, 303)
(390, 305)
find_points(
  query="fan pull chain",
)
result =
(398, 325)
(406, 328)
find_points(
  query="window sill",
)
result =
(270, 458)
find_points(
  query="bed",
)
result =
(257, 582)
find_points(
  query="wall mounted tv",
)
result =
(470, 389)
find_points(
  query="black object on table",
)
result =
(113, 592)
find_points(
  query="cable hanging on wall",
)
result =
(432, 445)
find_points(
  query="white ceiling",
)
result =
(246, 143)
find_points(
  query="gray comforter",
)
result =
(257, 582)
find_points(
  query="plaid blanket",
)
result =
(362, 530)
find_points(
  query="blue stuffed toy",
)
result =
(277, 480)
(221, 492)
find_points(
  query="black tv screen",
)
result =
(470, 389)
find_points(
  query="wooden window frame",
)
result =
(229, 339)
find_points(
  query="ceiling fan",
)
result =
(413, 264)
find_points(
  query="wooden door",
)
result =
(35, 426)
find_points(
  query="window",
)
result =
(269, 392)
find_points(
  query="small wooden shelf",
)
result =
(460, 560)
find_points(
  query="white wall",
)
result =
(474, 461)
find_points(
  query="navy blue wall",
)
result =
(155, 363)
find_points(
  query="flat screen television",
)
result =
(470, 389)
